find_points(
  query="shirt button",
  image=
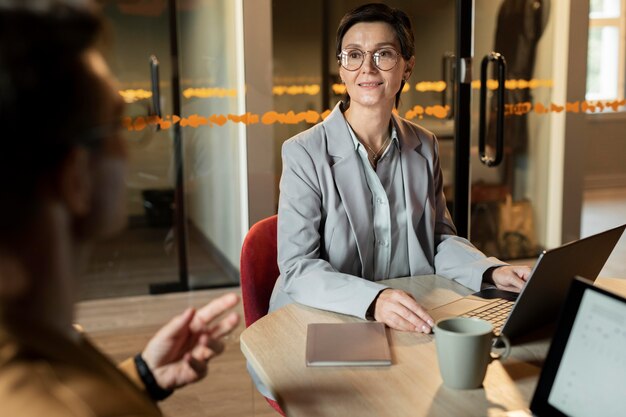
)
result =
(379, 200)
(383, 243)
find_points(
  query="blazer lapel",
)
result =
(352, 186)
(416, 183)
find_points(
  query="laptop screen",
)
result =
(585, 371)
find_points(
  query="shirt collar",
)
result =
(357, 143)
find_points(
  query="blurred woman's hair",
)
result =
(45, 97)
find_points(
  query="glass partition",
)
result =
(509, 202)
(250, 74)
(159, 252)
(145, 252)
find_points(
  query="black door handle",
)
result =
(447, 76)
(500, 63)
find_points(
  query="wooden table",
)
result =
(411, 386)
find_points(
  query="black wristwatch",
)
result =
(153, 389)
(488, 275)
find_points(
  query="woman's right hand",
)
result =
(399, 310)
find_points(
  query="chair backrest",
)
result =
(259, 272)
(259, 268)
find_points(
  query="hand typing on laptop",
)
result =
(399, 310)
(509, 277)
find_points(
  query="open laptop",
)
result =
(585, 371)
(541, 298)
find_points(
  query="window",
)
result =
(606, 50)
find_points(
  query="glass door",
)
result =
(510, 130)
(183, 192)
(145, 253)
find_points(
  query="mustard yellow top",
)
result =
(44, 373)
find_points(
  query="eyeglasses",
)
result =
(384, 59)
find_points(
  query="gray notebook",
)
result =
(347, 344)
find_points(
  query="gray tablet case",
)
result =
(347, 344)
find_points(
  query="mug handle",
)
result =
(507, 347)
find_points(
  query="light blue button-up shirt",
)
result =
(386, 185)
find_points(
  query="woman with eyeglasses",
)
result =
(361, 194)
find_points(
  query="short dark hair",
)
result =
(45, 97)
(378, 12)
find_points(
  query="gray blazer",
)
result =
(325, 233)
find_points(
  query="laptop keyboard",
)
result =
(495, 313)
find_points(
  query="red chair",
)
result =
(259, 272)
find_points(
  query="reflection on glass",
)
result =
(208, 50)
(602, 65)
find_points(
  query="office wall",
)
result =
(595, 144)
(575, 125)
(258, 44)
(541, 135)
(602, 137)
(605, 151)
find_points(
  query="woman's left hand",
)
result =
(510, 277)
